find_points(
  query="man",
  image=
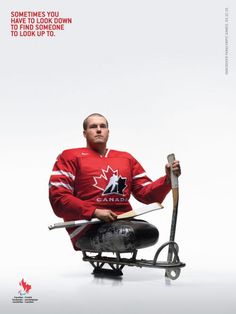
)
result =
(97, 182)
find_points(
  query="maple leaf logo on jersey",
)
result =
(110, 182)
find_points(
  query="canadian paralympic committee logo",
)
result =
(23, 293)
(25, 287)
(110, 182)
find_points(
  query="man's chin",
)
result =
(100, 141)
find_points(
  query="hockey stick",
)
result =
(175, 194)
(130, 214)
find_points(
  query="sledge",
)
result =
(107, 266)
(117, 263)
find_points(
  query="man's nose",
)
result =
(98, 129)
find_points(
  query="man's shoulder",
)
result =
(118, 153)
(73, 152)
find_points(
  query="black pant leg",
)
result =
(119, 236)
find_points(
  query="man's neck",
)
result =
(100, 149)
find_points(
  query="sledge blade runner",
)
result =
(117, 263)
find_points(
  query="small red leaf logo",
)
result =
(25, 285)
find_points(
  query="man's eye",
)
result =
(93, 126)
(103, 126)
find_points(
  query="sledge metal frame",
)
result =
(117, 263)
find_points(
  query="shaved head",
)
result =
(85, 123)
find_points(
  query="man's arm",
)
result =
(61, 188)
(147, 191)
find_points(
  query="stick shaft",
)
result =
(175, 194)
(69, 224)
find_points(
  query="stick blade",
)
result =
(140, 211)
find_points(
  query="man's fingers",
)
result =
(175, 167)
(113, 215)
(175, 163)
(105, 214)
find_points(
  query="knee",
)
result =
(145, 234)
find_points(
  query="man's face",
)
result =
(97, 131)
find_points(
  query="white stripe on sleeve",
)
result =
(146, 183)
(141, 175)
(64, 173)
(67, 186)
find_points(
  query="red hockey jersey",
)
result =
(82, 181)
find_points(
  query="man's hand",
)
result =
(176, 169)
(105, 215)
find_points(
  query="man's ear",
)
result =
(84, 133)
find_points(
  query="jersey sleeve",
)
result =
(61, 191)
(144, 189)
